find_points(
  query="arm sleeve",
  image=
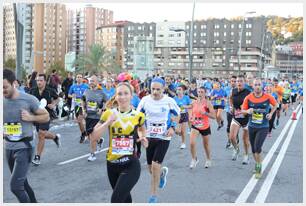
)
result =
(105, 115)
(34, 104)
(141, 119)
(272, 100)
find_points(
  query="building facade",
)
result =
(112, 37)
(82, 24)
(9, 38)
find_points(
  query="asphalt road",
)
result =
(227, 181)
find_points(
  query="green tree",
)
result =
(98, 59)
(10, 64)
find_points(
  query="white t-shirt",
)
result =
(158, 115)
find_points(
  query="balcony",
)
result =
(245, 53)
(247, 61)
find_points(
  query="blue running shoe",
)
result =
(163, 177)
(153, 199)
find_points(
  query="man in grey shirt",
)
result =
(92, 105)
(20, 110)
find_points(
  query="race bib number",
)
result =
(238, 114)
(122, 145)
(92, 106)
(13, 131)
(257, 118)
(218, 101)
(157, 129)
(78, 101)
(198, 123)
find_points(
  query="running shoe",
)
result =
(36, 160)
(153, 199)
(258, 170)
(245, 159)
(92, 157)
(208, 163)
(193, 163)
(183, 146)
(235, 154)
(163, 177)
(228, 144)
(57, 140)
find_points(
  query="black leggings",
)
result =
(257, 137)
(19, 161)
(122, 179)
(229, 117)
(271, 121)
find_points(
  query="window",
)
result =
(216, 41)
(224, 34)
(216, 34)
(217, 26)
(224, 26)
(239, 26)
(232, 33)
(195, 34)
(232, 26)
(151, 27)
(248, 26)
(139, 27)
(248, 41)
(203, 26)
(249, 33)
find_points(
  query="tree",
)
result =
(10, 64)
(60, 69)
(98, 59)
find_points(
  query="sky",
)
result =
(156, 12)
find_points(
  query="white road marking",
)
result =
(81, 157)
(265, 188)
(244, 195)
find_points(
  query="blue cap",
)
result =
(159, 80)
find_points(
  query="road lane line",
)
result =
(265, 188)
(244, 195)
(81, 157)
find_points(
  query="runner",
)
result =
(20, 110)
(92, 105)
(184, 102)
(158, 109)
(294, 92)
(229, 116)
(202, 110)
(286, 97)
(217, 97)
(279, 91)
(109, 90)
(257, 105)
(271, 121)
(239, 119)
(76, 92)
(123, 166)
(44, 94)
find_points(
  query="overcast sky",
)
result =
(146, 12)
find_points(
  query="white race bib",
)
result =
(122, 145)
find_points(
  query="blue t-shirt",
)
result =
(294, 88)
(78, 90)
(228, 90)
(182, 102)
(135, 101)
(109, 93)
(218, 97)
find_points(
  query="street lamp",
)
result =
(239, 56)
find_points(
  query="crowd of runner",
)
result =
(139, 114)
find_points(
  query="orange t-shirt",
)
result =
(279, 91)
(199, 120)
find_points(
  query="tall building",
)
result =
(82, 24)
(111, 37)
(24, 16)
(9, 39)
(146, 32)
